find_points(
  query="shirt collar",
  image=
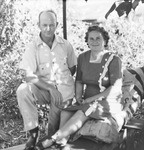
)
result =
(57, 40)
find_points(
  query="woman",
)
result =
(98, 88)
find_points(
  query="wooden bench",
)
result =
(126, 140)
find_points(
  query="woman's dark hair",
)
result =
(98, 29)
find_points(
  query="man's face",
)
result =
(47, 24)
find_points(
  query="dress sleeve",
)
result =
(115, 70)
(79, 72)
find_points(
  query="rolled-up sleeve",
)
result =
(29, 61)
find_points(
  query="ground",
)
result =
(12, 131)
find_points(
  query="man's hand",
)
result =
(56, 96)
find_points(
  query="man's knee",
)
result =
(22, 87)
(23, 91)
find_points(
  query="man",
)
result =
(49, 63)
(121, 6)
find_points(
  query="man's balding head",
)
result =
(48, 12)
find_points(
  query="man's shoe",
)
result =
(30, 144)
(66, 147)
(44, 143)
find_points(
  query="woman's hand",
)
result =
(88, 100)
(92, 99)
(80, 101)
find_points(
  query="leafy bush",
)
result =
(127, 40)
(10, 77)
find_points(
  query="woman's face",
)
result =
(96, 41)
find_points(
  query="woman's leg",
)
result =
(64, 117)
(71, 126)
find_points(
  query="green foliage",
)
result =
(127, 40)
(18, 26)
(9, 78)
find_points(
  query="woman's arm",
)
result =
(79, 91)
(79, 86)
(98, 96)
(112, 90)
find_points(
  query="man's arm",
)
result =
(37, 81)
(41, 84)
(72, 70)
(110, 10)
